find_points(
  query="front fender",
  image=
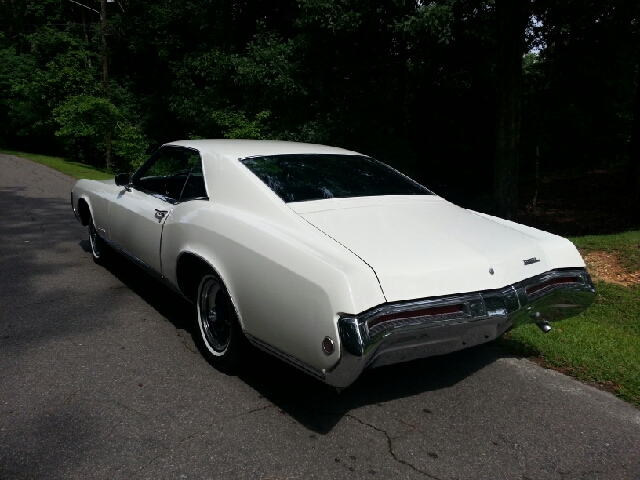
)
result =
(96, 194)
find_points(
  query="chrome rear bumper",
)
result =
(403, 331)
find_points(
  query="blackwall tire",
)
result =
(222, 341)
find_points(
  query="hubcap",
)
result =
(96, 243)
(215, 315)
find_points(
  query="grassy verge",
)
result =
(73, 169)
(602, 345)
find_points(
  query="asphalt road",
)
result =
(100, 378)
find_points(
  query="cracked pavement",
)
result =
(100, 378)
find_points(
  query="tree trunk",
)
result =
(13, 16)
(634, 151)
(86, 38)
(511, 17)
(105, 77)
(402, 89)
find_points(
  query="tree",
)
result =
(105, 76)
(634, 150)
(437, 89)
(634, 144)
(512, 19)
(85, 120)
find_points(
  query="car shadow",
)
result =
(320, 407)
(160, 297)
(313, 404)
(85, 245)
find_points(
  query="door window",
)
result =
(174, 174)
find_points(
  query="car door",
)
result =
(140, 210)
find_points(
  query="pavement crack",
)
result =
(137, 472)
(390, 447)
(254, 410)
(186, 344)
(167, 450)
(187, 437)
(70, 397)
(129, 408)
(587, 473)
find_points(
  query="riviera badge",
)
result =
(529, 261)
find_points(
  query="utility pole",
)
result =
(105, 76)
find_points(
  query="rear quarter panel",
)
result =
(288, 288)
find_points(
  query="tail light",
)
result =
(444, 311)
(552, 282)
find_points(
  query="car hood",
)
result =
(423, 246)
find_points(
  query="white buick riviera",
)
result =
(325, 257)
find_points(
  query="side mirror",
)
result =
(123, 179)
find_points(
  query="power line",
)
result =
(88, 8)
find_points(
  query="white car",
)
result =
(324, 257)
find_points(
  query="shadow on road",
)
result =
(164, 300)
(319, 407)
(310, 402)
(38, 273)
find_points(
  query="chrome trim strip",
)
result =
(484, 316)
(285, 356)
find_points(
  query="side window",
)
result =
(175, 174)
(194, 186)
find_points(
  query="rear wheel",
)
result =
(222, 338)
(98, 246)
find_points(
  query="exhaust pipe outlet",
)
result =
(544, 326)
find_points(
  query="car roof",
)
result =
(253, 148)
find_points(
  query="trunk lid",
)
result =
(423, 246)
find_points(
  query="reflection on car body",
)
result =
(324, 257)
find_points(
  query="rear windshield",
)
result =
(299, 178)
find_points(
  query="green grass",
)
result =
(601, 345)
(73, 169)
(625, 245)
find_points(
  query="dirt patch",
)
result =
(605, 266)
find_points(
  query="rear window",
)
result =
(300, 178)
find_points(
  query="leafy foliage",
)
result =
(85, 116)
(130, 146)
(237, 125)
(412, 83)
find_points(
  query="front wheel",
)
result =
(98, 246)
(222, 338)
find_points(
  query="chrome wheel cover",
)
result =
(95, 240)
(214, 315)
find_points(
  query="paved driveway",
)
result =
(100, 378)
